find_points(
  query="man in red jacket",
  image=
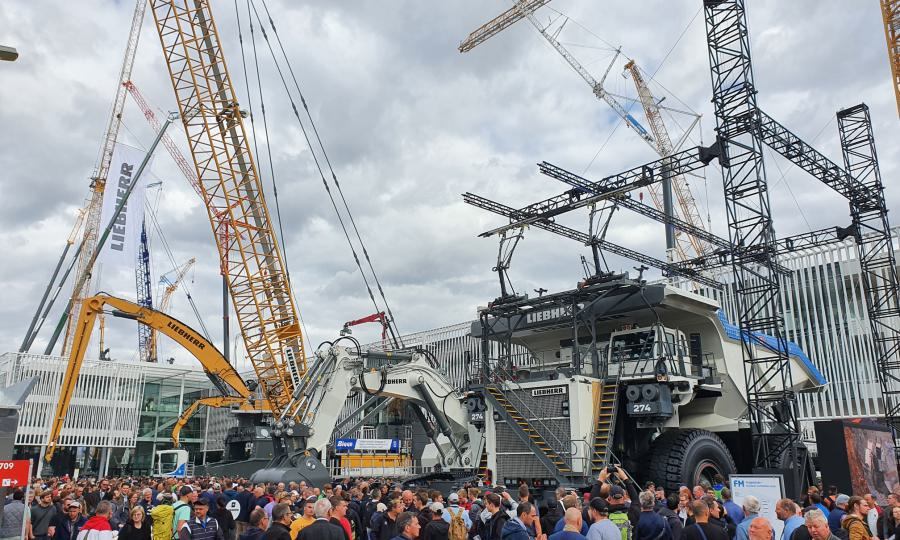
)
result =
(98, 527)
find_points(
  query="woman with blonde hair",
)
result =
(137, 527)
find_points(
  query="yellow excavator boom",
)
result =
(215, 365)
(217, 402)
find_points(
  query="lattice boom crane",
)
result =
(171, 287)
(890, 10)
(233, 194)
(664, 147)
(98, 182)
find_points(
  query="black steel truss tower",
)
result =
(772, 408)
(876, 256)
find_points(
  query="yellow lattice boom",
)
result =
(890, 10)
(248, 248)
(686, 203)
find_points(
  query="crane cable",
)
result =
(268, 146)
(395, 334)
(165, 243)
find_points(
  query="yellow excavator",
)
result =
(235, 392)
(253, 267)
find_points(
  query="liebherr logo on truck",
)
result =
(547, 314)
(186, 335)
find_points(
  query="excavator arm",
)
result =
(223, 375)
(413, 379)
(218, 402)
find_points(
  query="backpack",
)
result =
(841, 534)
(458, 530)
(162, 522)
(368, 512)
(623, 523)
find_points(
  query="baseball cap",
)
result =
(453, 497)
(437, 507)
(616, 492)
(185, 490)
(842, 499)
(599, 505)
(73, 504)
(201, 501)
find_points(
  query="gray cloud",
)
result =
(409, 124)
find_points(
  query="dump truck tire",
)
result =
(683, 457)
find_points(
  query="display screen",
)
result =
(873, 463)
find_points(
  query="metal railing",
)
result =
(501, 375)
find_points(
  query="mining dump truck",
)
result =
(620, 372)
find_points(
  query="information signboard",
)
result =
(15, 473)
(357, 445)
(768, 488)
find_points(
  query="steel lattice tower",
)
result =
(144, 291)
(771, 403)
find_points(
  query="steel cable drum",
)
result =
(633, 393)
(650, 392)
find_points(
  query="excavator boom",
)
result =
(215, 365)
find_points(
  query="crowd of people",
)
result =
(615, 508)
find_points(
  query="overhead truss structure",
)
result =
(586, 239)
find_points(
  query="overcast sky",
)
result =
(409, 124)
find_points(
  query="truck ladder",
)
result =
(483, 474)
(606, 424)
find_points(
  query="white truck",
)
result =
(648, 376)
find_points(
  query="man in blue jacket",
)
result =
(838, 512)
(517, 527)
(67, 526)
(651, 526)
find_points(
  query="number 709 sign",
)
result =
(15, 473)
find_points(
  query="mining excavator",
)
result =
(305, 428)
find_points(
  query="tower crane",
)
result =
(661, 195)
(890, 11)
(98, 185)
(171, 287)
(142, 280)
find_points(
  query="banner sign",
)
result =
(121, 246)
(768, 488)
(358, 445)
